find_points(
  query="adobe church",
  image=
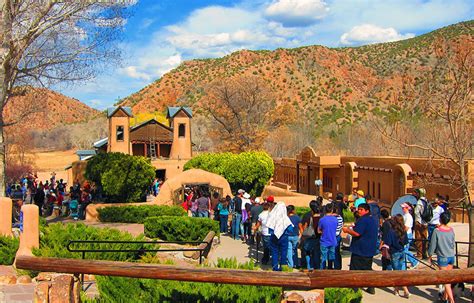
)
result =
(168, 147)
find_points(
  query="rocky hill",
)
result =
(47, 109)
(311, 78)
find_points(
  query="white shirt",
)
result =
(262, 218)
(408, 219)
(245, 201)
(436, 214)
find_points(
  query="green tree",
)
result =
(124, 178)
(249, 170)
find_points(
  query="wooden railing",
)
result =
(317, 279)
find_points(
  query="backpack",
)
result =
(308, 232)
(427, 213)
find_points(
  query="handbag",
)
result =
(308, 232)
(385, 250)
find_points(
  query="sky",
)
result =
(161, 34)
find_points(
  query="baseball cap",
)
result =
(241, 191)
(270, 199)
(405, 205)
(360, 192)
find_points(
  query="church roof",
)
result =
(173, 110)
(113, 110)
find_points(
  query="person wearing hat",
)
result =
(270, 199)
(408, 221)
(360, 199)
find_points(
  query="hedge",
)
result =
(179, 228)
(248, 170)
(55, 237)
(147, 290)
(347, 215)
(137, 214)
(8, 248)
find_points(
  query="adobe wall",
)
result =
(385, 178)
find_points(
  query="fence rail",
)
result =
(313, 280)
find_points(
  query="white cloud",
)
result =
(369, 33)
(132, 71)
(295, 13)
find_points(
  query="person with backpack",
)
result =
(309, 236)
(423, 215)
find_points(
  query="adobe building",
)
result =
(384, 178)
(168, 147)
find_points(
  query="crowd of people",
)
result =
(314, 241)
(51, 196)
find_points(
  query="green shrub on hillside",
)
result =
(248, 170)
(8, 248)
(179, 228)
(124, 178)
(137, 214)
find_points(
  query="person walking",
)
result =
(396, 239)
(442, 244)
(278, 224)
(364, 239)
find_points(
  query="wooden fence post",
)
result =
(5, 216)
(29, 235)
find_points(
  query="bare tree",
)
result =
(243, 110)
(47, 42)
(444, 98)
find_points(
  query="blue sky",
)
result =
(161, 34)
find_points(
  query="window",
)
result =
(181, 130)
(373, 189)
(379, 190)
(120, 133)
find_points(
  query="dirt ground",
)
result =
(49, 161)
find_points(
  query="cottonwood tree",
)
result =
(243, 111)
(48, 42)
(443, 98)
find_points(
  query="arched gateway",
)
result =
(172, 190)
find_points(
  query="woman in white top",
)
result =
(434, 222)
(408, 221)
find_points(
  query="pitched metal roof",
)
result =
(113, 110)
(146, 122)
(85, 152)
(173, 110)
(101, 142)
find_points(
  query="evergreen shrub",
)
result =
(342, 295)
(8, 248)
(123, 178)
(137, 214)
(55, 237)
(169, 228)
(147, 290)
(248, 170)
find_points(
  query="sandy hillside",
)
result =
(49, 161)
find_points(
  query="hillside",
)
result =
(48, 109)
(346, 81)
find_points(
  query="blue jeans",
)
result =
(445, 261)
(312, 253)
(408, 254)
(203, 214)
(398, 260)
(266, 249)
(293, 251)
(223, 220)
(236, 225)
(328, 254)
(431, 228)
(279, 249)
